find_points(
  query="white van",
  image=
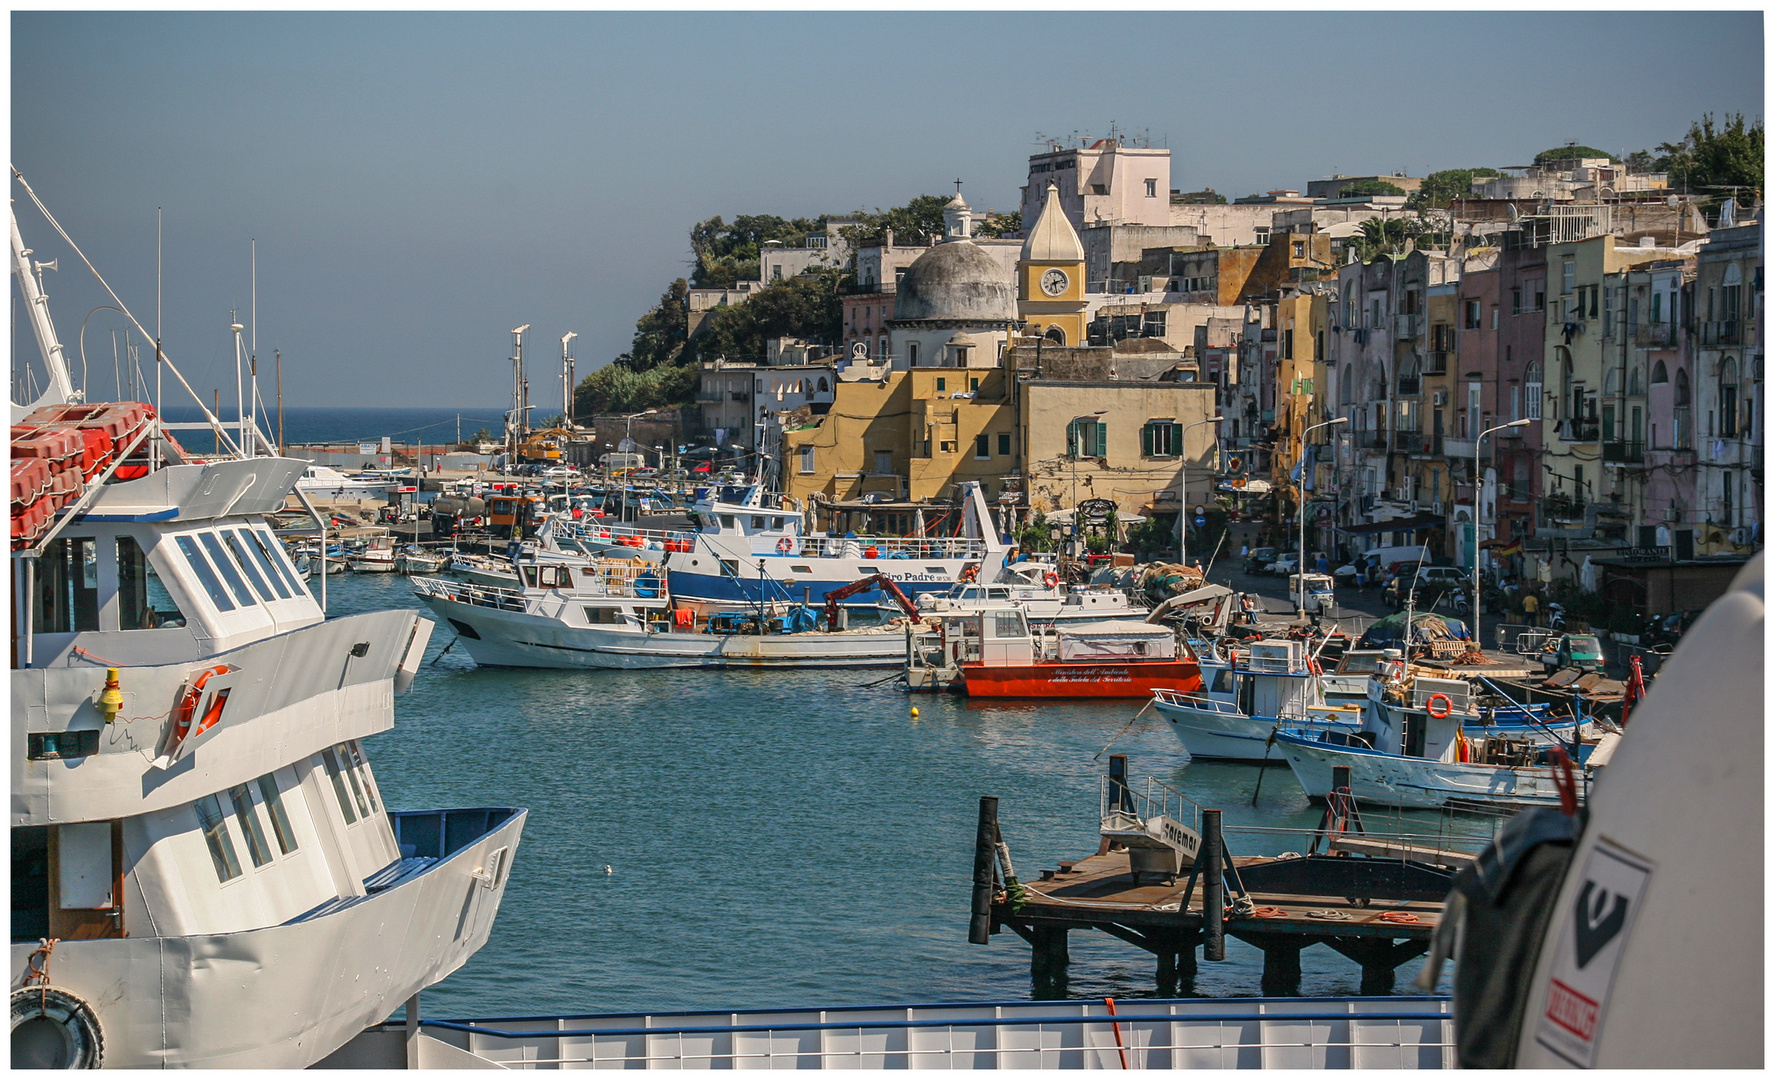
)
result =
(1390, 555)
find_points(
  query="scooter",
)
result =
(1555, 616)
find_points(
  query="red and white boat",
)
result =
(1101, 660)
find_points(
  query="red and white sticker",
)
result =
(1593, 933)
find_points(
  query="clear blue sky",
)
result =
(419, 184)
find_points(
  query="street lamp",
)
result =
(1477, 487)
(1183, 487)
(1300, 568)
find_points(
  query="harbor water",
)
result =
(782, 838)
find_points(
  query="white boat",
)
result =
(330, 485)
(416, 560)
(1035, 587)
(377, 557)
(1244, 701)
(748, 553)
(204, 871)
(484, 570)
(586, 613)
(1431, 750)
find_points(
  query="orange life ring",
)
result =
(969, 572)
(187, 706)
(1050, 579)
(1447, 706)
(785, 545)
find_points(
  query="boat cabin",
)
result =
(1270, 678)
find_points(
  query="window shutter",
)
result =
(1102, 440)
(1072, 440)
(1177, 439)
(1146, 440)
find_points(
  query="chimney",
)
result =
(887, 241)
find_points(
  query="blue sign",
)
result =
(1201, 521)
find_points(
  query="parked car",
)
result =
(1285, 565)
(1432, 583)
(1260, 560)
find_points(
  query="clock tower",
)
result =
(1051, 276)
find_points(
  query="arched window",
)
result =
(1055, 335)
(1636, 383)
(1659, 375)
(1682, 387)
(822, 384)
(1611, 383)
(1532, 391)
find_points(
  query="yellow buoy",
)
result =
(915, 712)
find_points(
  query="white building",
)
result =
(1104, 183)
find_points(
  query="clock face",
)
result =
(1054, 282)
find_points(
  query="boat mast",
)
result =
(240, 412)
(567, 379)
(60, 387)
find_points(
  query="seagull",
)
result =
(607, 869)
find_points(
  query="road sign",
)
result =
(1201, 521)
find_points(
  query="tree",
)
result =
(921, 217)
(1708, 158)
(726, 253)
(1439, 189)
(1570, 152)
(620, 389)
(660, 334)
(1369, 187)
(474, 440)
(805, 306)
(994, 225)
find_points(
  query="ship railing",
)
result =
(465, 592)
(597, 532)
(1389, 1032)
(1189, 700)
(901, 547)
(1154, 800)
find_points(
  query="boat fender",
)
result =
(1050, 579)
(53, 1029)
(1447, 706)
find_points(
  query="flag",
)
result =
(1514, 547)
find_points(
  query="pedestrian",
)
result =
(1531, 609)
(1324, 565)
(1244, 551)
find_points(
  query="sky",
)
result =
(418, 184)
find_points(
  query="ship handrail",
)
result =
(486, 820)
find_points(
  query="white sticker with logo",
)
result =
(1592, 935)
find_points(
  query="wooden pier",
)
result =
(1374, 900)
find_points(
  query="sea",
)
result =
(313, 424)
(738, 840)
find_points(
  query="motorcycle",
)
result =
(1555, 616)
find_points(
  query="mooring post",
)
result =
(1120, 798)
(1213, 888)
(1048, 960)
(985, 853)
(1281, 969)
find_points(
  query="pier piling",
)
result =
(985, 853)
(1213, 889)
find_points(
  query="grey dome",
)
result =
(956, 281)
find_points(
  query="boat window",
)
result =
(530, 575)
(1007, 624)
(354, 753)
(142, 600)
(205, 573)
(242, 541)
(242, 797)
(727, 521)
(936, 570)
(332, 763)
(215, 834)
(868, 569)
(730, 567)
(556, 577)
(67, 586)
(600, 615)
(758, 521)
(1223, 682)
(279, 559)
(245, 562)
(236, 584)
(998, 594)
(280, 821)
(797, 568)
(776, 523)
(351, 775)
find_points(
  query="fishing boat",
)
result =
(414, 559)
(326, 484)
(747, 552)
(1244, 699)
(376, 557)
(484, 570)
(1037, 589)
(569, 612)
(205, 873)
(1001, 655)
(1425, 743)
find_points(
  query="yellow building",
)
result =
(1301, 321)
(1126, 441)
(1051, 277)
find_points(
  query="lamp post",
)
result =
(1183, 485)
(1478, 486)
(1300, 568)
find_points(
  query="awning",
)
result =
(1417, 521)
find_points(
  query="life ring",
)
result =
(1050, 579)
(1447, 706)
(187, 706)
(53, 1029)
(969, 572)
(785, 545)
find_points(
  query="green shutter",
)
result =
(1102, 440)
(1177, 440)
(1146, 440)
(1072, 440)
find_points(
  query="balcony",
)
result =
(1409, 385)
(1719, 332)
(1627, 453)
(1656, 335)
(1437, 364)
(1461, 449)
(1407, 327)
(1410, 442)
(709, 397)
(1580, 430)
(1423, 445)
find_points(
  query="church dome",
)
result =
(957, 281)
